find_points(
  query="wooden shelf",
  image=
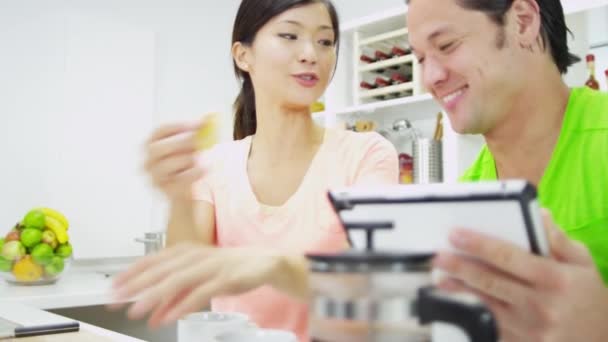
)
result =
(387, 63)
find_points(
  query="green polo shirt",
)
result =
(575, 184)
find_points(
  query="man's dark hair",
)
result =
(553, 31)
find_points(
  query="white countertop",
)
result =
(90, 285)
(82, 285)
(73, 290)
(27, 315)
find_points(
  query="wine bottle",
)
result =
(366, 85)
(381, 55)
(398, 51)
(383, 82)
(398, 78)
(591, 81)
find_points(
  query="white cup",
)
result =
(258, 335)
(207, 326)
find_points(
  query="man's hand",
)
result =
(557, 298)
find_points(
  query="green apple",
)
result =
(30, 237)
(34, 219)
(64, 250)
(42, 254)
(5, 264)
(55, 266)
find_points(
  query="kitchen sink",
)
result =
(117, 321)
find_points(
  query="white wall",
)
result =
(353, 9)
(41, 147)
(598, 36)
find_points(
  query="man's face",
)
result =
(468, 63)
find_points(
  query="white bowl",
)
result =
(206, 326)
(258, 335)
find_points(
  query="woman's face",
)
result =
(293, 57)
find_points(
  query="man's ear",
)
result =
(240, 54)
(527, 20)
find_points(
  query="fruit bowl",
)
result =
(26, 272)
(37, 250)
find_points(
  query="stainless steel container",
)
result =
(153, 242)
(428, 161)
(362, 296)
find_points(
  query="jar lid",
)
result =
(370, 261)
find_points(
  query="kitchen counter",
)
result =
(73, 290)
(85, 284)
(24, 314)
(82, 293)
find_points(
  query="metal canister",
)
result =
(428, 160)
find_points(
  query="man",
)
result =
(495, 66)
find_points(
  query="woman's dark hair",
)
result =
(553, 25)
(251, 17)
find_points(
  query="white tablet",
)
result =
(422, 216)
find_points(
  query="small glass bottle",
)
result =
(591, 81)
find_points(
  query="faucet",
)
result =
(153, 242)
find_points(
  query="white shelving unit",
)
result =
(346, 102)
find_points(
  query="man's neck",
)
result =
(522, 145)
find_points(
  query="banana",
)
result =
(57, 216)
(58, 228)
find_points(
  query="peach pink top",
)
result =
(305, 223)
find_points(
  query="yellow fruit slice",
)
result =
(317, 107)
(57, 216)
(57, 228)
(27, 270)
(207, 135)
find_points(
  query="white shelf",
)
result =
(384, 36)
(386, 90)
(386, 63)
(388, 106)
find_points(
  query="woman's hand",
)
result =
(183, 279)
(557, 298)
(171, 160)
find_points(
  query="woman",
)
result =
(260, 201)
